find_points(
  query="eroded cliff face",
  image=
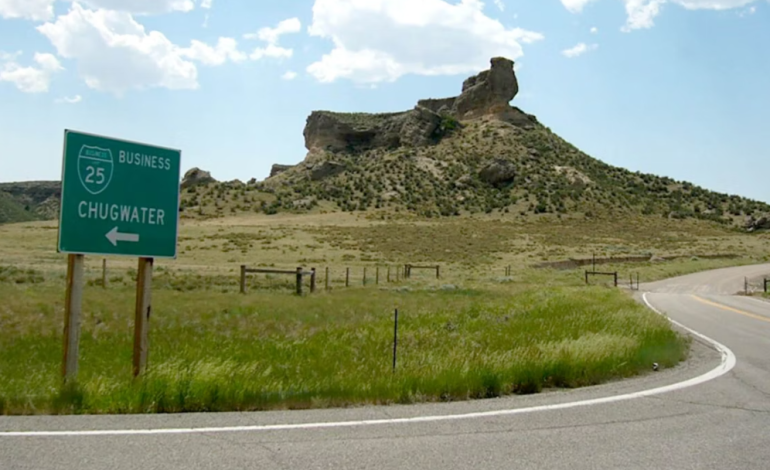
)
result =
(485, 94)
(488, 92)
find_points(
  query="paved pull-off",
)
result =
(711, 413)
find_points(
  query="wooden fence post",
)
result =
(437, 271)
(586, 276)
(312, 280)
(766, 285)
(104, 273)
(347, 277)
(326, 280)
(299, 281)
(243, 279)
(616, 279)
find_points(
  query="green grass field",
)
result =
(474, 333)
(212, 351)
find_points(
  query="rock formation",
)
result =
(325, 170)
(761, 223)
(278, 169)
(485, 94)
(337, 132)
(488, 92)
(498, 172)
(196, 176)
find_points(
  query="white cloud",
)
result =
(30, 79)
(141, 7)
(290, 75)
(712, 4)
(206, 4)
(226, 49)
(70, 100)
(500, 4)
(579, 50)
(641, 13)
(383, 40)
(37, 10)
(594, 30)
(275, 52)
(115, 53)
(575, 6)
(42, 10)
(9, 56)
(271, 37)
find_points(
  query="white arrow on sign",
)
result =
(114, 237)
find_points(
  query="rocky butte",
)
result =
(485, 94)
(469, 154)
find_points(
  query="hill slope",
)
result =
(473, 153)
(12, 211)
(30, 200)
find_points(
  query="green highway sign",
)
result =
(118, 197)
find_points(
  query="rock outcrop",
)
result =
(336, 132)
(761, 223)
(278, 169)
(196, 176)
(498, 172)
(325, 170)
(485, 94)
(491, 89)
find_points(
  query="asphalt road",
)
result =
(720, 419)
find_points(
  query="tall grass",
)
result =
(213, 351)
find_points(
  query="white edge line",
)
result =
(727, 363)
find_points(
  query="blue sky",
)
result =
(675, 88)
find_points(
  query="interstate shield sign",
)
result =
(95, 167)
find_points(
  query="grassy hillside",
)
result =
(12, 211)
(29, 200)
(552, 177)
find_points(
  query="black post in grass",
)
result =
(395, 340)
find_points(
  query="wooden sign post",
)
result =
(73, 305)
(142, 314)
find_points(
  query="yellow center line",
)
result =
(735, 310)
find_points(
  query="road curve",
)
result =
(720, 423)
